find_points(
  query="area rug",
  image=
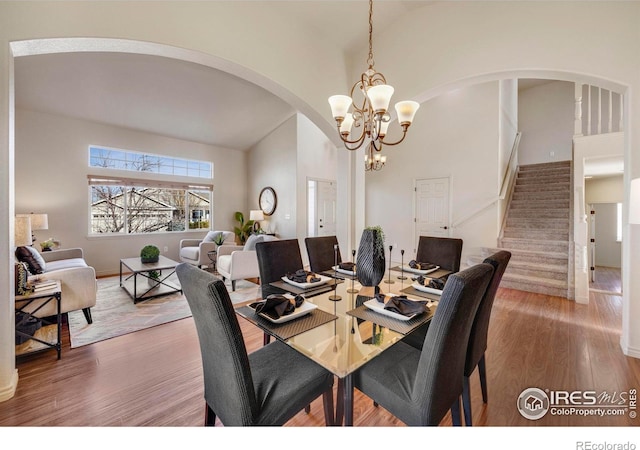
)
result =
(115, 314)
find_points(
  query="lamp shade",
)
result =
(634, 202)
(22, 224)
(347, 123)
(38, 221)
(256, 214)
(406, 111)
(380, 96)
(340, 105)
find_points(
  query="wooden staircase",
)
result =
(537, 230)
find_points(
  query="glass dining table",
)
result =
(344, 327)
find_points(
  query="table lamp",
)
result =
(256, 215)
(39, 221)
(22, 224)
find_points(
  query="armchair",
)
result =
(194, 251)
(237, 262)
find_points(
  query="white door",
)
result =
(432, 208)
(326, 208)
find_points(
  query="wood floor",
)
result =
(153, 377)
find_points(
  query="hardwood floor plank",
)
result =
(153, 378)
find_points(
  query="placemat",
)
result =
(404, 327)
(308, 293)
(338, 275)
(413, 291)
(437, 274)
(287, 330)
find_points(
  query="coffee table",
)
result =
(140, 286)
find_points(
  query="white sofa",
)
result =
(77, 280)
(195, 251)
(239, 262)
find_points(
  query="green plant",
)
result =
(154, 274)
(47, 245)
(149, 253)
(219, 239)
(242, 231)
(379, 242)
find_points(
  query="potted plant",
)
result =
(47, 245)
(154, 278)
(219, 239)
(371, 261)
(243, 230)
(149, 254)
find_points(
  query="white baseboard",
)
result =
(630, 351)
(8, 391)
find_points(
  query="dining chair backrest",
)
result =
(480, 328)
(439, 379)
(228, 385)
(277, 258)
(322, 253)
(442, 251)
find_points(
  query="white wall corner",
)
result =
(628, 350)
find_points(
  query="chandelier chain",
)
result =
(370, 59)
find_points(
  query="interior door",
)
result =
(326, 202)
(432, 208)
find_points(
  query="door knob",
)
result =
(445, 227)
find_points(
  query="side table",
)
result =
(213, 257)
(49, 335)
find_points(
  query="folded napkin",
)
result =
(276, 306)
(347, 266)
(402, 305)
(303, 276)
(434, 283)
(421, 265)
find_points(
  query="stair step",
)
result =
(546, 187)
(541, 195)
(532, 244)
(539, 235)
(537, 224)
(545, 271)
(536, 204)
(539, 213)
(530, 256)
(530, 284)
(543, 179)
(555, 164)
(552, 171)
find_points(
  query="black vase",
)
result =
(370, 264)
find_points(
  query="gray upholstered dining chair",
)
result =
(321, 252)
(266, 387)
(420, 386)
(442, 251)
(275, 260)
(479, 332)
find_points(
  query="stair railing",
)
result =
(505, 185)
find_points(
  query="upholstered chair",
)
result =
(266, 387)
(420, 386)
(196, 251)
(480, 330)
(321, 252)
(240, 262)
(442, 251)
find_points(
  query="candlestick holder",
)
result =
(402, 277)
(335, 297)
(352, 290)
(389, 280)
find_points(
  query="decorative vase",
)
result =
(371, 261)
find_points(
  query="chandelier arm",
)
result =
(358, 141)
(404, 134)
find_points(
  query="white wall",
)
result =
(604, 189)
(546, 120)
(273, 162)
(454, 135)
(51, 177)
(608, 249)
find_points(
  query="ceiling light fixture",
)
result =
(372, 113)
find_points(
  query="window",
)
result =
(143, 162)
(619, 223)
(131, 206)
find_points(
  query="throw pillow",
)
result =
(252, 241)
(211, 236)
(33, 259)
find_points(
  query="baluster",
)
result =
(588, 110)
(620, 121)
(599, 126)
(577, 123)
(610, 126)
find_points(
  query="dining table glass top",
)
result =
(358, 333)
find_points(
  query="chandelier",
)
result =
(371, 114)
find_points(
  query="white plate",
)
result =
(322, 281)
(304, 309)
(346, 272)
(419, 272)
(422, 288)
(376, 306)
